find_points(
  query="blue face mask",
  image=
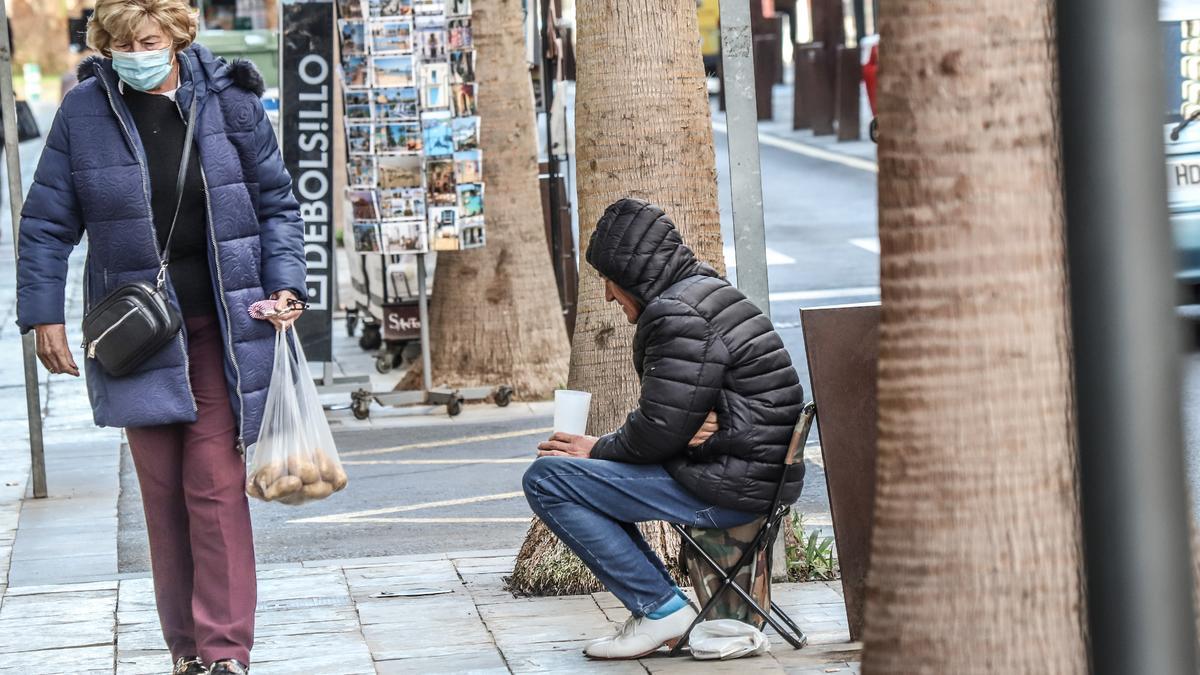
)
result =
(143, 70)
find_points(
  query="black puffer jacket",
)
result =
(700, 346)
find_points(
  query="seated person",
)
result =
(705, 446)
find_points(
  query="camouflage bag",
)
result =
(725, 547)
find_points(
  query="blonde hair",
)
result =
(118, 21)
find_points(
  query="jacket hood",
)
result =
(638, 248)
(216, 73)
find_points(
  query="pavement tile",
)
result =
(23, 635)
(483, 660)
(324, 653)
(95, 660)
(661, 663)
(564, 657)
(421, 637)
(149, 662)
(14, 591)
(78, 606)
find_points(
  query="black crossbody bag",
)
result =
(137, 320)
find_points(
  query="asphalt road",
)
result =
(451, 487)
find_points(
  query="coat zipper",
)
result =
(91, 347)
(237, 371)
(153, 233)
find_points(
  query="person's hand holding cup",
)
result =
(570, 422)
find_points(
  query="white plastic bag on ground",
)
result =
(294, 460)
(726, 639)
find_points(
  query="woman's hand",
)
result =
(53, 350)
(286, 316)
(567, 445)
(707, 429)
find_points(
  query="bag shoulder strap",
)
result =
(184, 162)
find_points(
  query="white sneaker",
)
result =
(644, 636)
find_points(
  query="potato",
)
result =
(283, 487)
(268, 474)
(326, 465)
(294, 499)
(319, 490)
(331, 471)
(304, 469)
(253, 490)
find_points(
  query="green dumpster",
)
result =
(259, 46)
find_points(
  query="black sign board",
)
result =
(307, 73)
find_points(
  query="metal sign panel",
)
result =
(306, 99)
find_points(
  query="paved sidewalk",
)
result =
(448, 614)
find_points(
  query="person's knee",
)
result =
(536, 477)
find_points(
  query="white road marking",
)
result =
(351, 517)
(810, 151)
(423, 462)
(773, 257)
(867, 244)
(439, 521)
(825, 294)
(446, 443)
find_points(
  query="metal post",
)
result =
(1126, 340)
(12, 153)
(423, 308)
(749, 237)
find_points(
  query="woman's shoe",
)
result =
(228, 667)
(189, 665)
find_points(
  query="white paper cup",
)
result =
(571, 411)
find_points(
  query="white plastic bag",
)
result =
(726, 639)
(294, 460)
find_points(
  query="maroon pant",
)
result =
(197, 515)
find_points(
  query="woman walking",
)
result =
(232, 235)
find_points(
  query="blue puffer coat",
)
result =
(92, 177)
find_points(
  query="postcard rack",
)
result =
(415, 171)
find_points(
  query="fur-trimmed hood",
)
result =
(217, 72)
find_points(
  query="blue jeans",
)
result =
(592, 505)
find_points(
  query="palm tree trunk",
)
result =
(975, 558)
(495, 313)
(643, 130)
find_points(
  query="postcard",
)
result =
(360, 171)
(403, 236)
(350, 9)
(401, 171)
(466, 133)
(392, 36)
(458, 7)
(397, 103)
(393, 71)
(353, 36)
(439, 174)
(439, 138)
(358, 138)
(398, 138)
(468, 166)
(355, 71)
(367, 238)
(470, 199)
(465, 103)
(443, 223)
(460, 33)
(402, 203)
(429, 7)
(389, 8)
(462, 66)
(358, 105)
(435, 94)
(363, 204)
(431, 44)
(471, 233)
(430, 21)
